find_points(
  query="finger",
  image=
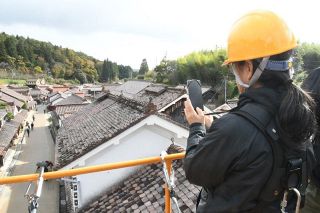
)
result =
(199, 111)
(188, 106)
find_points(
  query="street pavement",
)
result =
(39, 146)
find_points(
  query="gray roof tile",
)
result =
(10, 128)
(150, 196)
(107, 117)
(9, 99)
(132, 87)
(70, 100)
(14, 94)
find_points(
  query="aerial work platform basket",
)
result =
(99, 168)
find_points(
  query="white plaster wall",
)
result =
(147, 141)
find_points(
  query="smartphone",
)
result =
(195, 93)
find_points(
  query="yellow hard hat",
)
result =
(258, 34)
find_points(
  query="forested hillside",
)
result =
(29, 56)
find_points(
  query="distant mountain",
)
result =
(30, 56)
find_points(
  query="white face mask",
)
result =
(238, 79)
(254, 77)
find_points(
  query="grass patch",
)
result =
(12, 81)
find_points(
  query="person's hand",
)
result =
(208, 119)
(193, 116)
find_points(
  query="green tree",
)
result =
(3, 52)
(164, 70)
(114, 72)
(21, 49)
(143, 67)
(21, 65)
(150, 75)
(310, 54)
(38, 70)
(203, 65)
(125, 71)
(11, 46)
(80, 76)
(105, 72)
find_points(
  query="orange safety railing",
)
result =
(99, 168)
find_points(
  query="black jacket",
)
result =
(232, 160)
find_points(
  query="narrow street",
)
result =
(38, 147)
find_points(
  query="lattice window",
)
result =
(75, 194)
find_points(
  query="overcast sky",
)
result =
(126, 31)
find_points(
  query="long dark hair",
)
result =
(295, 114)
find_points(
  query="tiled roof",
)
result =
(66, 111)
(105, 118)
(19, 89)
(35, 92)
(157, 89)
(225, 107)
(52, 94)
(160, 95)
(71, 100)
(110, 87)
(95, 124)
(14, 94)
(13, 86)
(9, 129)
(232, 103)
(132, 87)
(8, 99)
(56, 97)
(144, 192)
(101, 94)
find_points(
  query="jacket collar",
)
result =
(269, 98)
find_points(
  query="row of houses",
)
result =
(13, 113)
(134, 120)
(16, 100)
(95, 124)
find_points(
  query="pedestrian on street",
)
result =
(32, 126)
(28, 131)
(33, 118)
(45, 164)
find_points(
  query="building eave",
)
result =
(150, 120)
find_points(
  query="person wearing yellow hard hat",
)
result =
(258, 157)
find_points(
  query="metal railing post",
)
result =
(166, 189)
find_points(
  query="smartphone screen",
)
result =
(195, 93)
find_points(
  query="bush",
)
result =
(140, 77)
(299, 77)
(150, 75)
(24, 106)
(3, 105)
(9, 116)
